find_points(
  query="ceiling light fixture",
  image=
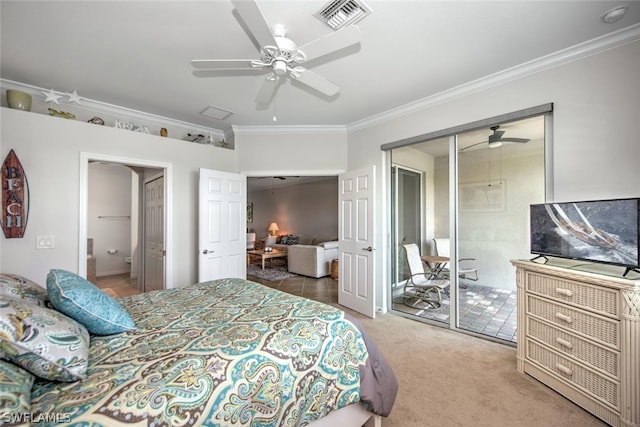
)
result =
(615, 14)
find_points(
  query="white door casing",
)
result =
(222, 225)
(356, 195)
(154, 252)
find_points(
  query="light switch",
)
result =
(45, 242)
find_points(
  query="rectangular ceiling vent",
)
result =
(216, 112)
(339, 13)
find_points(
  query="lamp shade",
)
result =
(273, 228)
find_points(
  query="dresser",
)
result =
(579, 333)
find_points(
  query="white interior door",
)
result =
(154, 235)
(356, 194)
(222, 225)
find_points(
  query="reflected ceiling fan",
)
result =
(496, 139)
(279, 56)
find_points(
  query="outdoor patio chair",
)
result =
(466, 266)
(421, 287)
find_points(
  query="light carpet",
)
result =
(451, 379)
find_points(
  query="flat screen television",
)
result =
(603, 231)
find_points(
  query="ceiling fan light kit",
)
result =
(280, 56)
(496, 139)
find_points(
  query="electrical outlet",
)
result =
(45, 242)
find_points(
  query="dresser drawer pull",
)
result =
(566, 292)
(560, 367)
(564, 318)
(564, 343)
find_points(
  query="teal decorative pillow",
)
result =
(20, 287)
(15, 391)
(42, 341)
(83, 301)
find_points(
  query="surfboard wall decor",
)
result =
(15, 197)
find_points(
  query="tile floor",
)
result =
(485, 310)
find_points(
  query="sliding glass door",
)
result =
(473, 207)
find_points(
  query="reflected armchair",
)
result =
(421, 287)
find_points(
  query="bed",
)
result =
(224, 352)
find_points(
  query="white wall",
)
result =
(49, 149)
(596, 126)
(322, 152)
(308, 208)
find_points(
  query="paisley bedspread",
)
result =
(225, 352)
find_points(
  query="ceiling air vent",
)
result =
(216, 112)
(339, 13)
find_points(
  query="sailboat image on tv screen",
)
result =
(598, 243)
(582, 229)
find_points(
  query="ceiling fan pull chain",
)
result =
(275, 100)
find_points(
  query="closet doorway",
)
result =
(124, 202)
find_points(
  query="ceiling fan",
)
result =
(496, 139)
(279, 55)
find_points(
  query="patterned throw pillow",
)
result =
(283, 239)
(42, 341)
(15, 391)
(22, 288)
(292, 240)
(81, 300)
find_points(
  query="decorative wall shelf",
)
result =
(93, 111)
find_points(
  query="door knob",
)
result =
(370, 249)
(206, 251)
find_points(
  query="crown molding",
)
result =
(614, 39)
(100, 107)
(288, 130)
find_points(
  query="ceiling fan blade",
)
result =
(470, 146)
(254, 19)
(314, 81)
(267, 91)
(231, 72)
(520, 140)
(331, 42)
(221, 64)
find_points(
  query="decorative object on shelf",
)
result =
(62, 114)
(73, 97)
(199, 138)
(131, 126)
(15, 197)
(273, 229)
(51, 96)
(96, 120)
(163, 132)
(18, 100)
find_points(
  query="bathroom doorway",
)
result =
(115, 226)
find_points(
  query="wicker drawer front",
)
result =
(598, 386)
(590, 297)
(601, 329)
(599, 357)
